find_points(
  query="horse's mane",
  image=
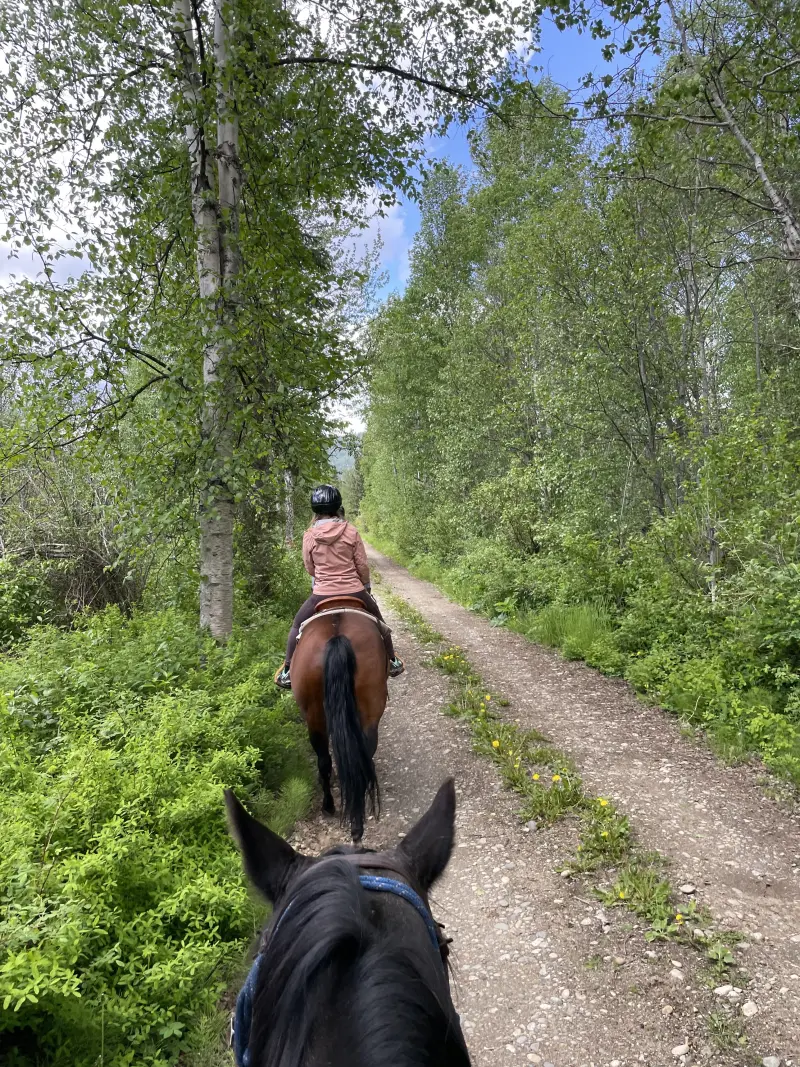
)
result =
(325, 947)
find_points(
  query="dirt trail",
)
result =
(542, 976)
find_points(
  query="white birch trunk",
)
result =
(288, 508)
(215, 269)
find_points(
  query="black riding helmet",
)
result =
(326, 500)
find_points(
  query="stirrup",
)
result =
(282, 679)
(396, 667)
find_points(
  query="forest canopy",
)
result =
(583, 410)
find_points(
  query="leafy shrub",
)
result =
(605, 655)
(123, 905)
(26, 597)
(485, 575)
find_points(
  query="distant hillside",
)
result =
(342, 459)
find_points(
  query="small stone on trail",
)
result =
(680, 1050)
(619, 960)
(723, 990)
(667, 1009)
(676, 975)
(749, 1009)
(772, 1061)
(688, 888)
(533, 1058)
(531, 824)
(616, 1063)
(677, 963)
(587, 921)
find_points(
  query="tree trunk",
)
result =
(215, 224)
(288, 507)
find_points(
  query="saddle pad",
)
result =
(382, 627)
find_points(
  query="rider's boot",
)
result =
(396, 666)
(282, 679)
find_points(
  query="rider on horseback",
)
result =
(334, 556)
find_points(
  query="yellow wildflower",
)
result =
(488, 696)
(679, 918)
(604, 833)
(535, 777)
(556, 777)
(603, 802)
(621, 895)
(495, 744)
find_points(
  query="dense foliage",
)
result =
(583, 415)
(181, 177)
(123, 910)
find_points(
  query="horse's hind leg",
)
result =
(319, 742)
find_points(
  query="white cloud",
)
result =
(26, 264)
(391, 236)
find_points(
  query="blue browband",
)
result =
(243, 1015)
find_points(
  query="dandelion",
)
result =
(495, 744)
(604, 833)
(621, 894)
(535, 777)
(603, 802)
(556, 777)
(488, 696)
(679, 918)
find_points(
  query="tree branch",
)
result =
(387, 68)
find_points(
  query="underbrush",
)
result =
(124, 910)
(730, 668)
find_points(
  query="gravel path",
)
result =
(541, 974)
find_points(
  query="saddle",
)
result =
(345, 604)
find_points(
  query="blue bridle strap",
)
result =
(243, 1015)
(400, 889)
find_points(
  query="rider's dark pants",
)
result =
(310, 606)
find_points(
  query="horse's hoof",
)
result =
(328, 806)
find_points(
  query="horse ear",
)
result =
(428, 844)
(268, 859)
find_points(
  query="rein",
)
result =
(242, 1017)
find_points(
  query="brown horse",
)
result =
(339, 680)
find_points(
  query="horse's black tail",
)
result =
(357, 777)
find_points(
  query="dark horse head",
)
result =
(347, 976)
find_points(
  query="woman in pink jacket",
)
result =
(335, 557)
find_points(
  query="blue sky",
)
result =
(565, 57)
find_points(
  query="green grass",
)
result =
(423, 631)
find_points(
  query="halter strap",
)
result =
(242, 1018)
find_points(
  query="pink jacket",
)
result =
(334, 555)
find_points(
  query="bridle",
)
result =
(242, 1016)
